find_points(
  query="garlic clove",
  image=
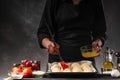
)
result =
(115, 73)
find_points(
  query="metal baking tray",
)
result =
(72, 74)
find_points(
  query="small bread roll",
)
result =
(76, 67)
(86, 67)
(67, 70)
(75, 64)
(56, 70)
(55, 66)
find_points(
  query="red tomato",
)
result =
(63, 65)
(17, 70)
(28, 64)
(35, 66)
(27, 72)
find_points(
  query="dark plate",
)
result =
(71, 74)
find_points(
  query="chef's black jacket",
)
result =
(72, 26)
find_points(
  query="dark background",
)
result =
(19, 21)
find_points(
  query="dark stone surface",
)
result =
(19, 21)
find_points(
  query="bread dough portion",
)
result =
(67, 70)
(73, 67)
(86, 67)
(55, 68)
(76, 67)
(75, 64)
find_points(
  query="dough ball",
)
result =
(67, 70)
(75, 64)
(56, 69)
(55, 66)
(86, 67)
(77, 69)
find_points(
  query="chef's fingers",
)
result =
(98, 49)
(56, 48)
(57, 45)
(56, 51)
(97, 45)
(97, 42)
(53, 50)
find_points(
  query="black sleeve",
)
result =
(99, 23)
(45, 22)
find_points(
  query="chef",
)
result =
(66, 25)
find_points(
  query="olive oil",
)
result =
(107, 65)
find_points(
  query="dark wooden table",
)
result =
(98, 77)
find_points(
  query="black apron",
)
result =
(69, 54)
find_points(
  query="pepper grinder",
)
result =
(117, 54)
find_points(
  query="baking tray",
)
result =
(72, 74)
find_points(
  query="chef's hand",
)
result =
(97, 45)
(52, 48)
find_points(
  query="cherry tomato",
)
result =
(24, 61)
(35, 66)
(28, 64)
(27, 71)
(17, 70)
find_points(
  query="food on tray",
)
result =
(76, 67)
(63, 65)
(72, 67)
(87, 67)
(67, 70)
(55, 68)
(75, 64)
